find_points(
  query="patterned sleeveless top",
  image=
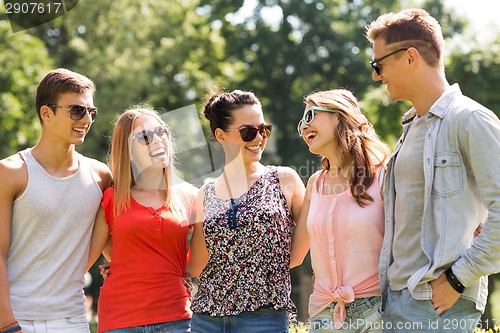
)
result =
(248, 265)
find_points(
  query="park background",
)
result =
(171, 53)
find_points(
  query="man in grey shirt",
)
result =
(443, 183)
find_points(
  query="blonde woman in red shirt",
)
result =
(344, 212)
(147, 220)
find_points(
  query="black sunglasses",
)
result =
(76, 111)
(308, 116)
(376, 67)
(145, 137)
(248, 133)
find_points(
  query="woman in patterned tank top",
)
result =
(242, 243)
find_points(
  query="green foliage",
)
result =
(24, 61)
(170, 53)
(478, 73)
(308, 45)
(165, 54)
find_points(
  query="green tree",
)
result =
(162, 53)
(24, 61)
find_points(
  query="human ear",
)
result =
(219, 135)
(413, 56)
(45, 112)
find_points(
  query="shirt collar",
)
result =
(439, 107)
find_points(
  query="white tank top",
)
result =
(52, 223)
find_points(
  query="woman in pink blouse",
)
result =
(344, 212)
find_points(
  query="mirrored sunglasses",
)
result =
(145, 137)
(77, 112)
(248, 133)
(308, 116)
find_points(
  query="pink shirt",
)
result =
(346, 240)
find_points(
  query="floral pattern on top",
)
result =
(248, 266)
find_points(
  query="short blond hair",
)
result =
(410, 28)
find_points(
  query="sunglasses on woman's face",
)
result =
(248, 133)
(76, 111)
(145, 137)
(308, 116)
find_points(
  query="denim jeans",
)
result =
(263, 320)
(176, 326)
(363, 315)
(403, 313)
(77, 324)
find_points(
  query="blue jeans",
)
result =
(403, 313)
(362, 316)
(263, 320)
(176, 326)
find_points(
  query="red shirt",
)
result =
(149, 251)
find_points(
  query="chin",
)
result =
(312, 150)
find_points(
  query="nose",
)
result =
(87, 117)
(259, 136)
(375, 76)
(303, 126)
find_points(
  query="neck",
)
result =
(237, 168)
(148, 180)
(56, 158)
(429, 91)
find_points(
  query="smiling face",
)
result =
(233, 144)
(393, 72)
(149, 144)
(58, 124)
(319, 135)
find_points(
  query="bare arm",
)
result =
(300, 239)
(198, 254)
(101, 173)
(293, 188)
(100, 237)
(14, 176)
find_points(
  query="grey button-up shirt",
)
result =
(461, 191)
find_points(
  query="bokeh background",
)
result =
(171, 53)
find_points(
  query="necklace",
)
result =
(231, 218)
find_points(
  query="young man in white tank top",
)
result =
(48, 201)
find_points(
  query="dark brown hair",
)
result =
(57, 82)
(218, 106)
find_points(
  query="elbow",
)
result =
(296, 261)
(192, 271)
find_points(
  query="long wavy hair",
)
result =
(361, 150)
(120, 159)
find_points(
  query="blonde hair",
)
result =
(410, 28)
(120, 159)
(360, 147)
